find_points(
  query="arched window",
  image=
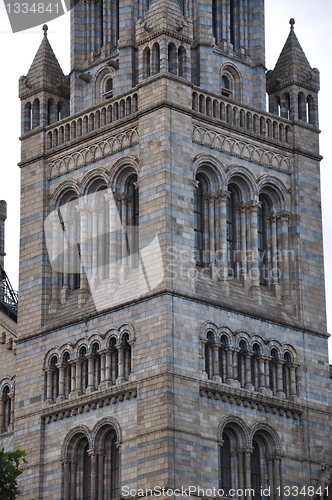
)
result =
(223, 359)
(261, 214)
(155, 59)
(96, 364)
(6, 407)
(225, 86)
(241, 363)
(255, 470)
(225, 464)
(35, 118)
(209, 355)
(198, 223)
(146, 63)
(86, 466)
(132, 222)
(66, 358)
(127, 356)
(230, 220)
(182, 61)
(55, 377)
(172, 59)
(114, 361)
(84, 369)
(273, 371)
(108, 88)
(255, 367)
(286, 374)
(77, 467)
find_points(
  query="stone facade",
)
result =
(202, 359)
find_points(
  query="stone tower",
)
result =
(172, 326)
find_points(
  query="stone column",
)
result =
(66, 495)
(267, 372)
(254, 269)
(248, 384)
(73, 378)
(84, 211)
(286, 297)
(236, 367)
(62, 368)
(292, 376)
(247, 460)
(280, 386)
(101, 476)
(261, 364)
(102, 366)
(91, 373)
(229, 368)
(49, 384)
(94, 475)
(113, 257)
(73, 480)
(215, 357)
(269, 462)
(78, 376)
(108, 373)
(277, 462)
(120, 363)
(240, 453)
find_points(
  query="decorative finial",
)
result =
(45, 29)
(292, 22)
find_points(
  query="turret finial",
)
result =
(45, 29)
(292, 22)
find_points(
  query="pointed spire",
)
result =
(165, 14)
(45, 71)
(292, 65)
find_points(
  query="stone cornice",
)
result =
(253, 400)
(86, 403)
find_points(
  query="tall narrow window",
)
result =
(273, 371)
(97, 365)
(261, 242)
(255, 470)
(286, 374)
(7, 407)
(198, 223)
(209, 356)
(86, 473)
(115, 491)
(55, 377)
(127, 356)
(225, 86)
(230, 232)
(255, 367)
(66, 358)
(241, 363)
(225, 464)
(223, 359)
(84, 369)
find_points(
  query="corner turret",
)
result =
(44, 91)
(293, 85)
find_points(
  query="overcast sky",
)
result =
(313, 29)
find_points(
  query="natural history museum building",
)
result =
(171, 325)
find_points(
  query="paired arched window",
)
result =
(263, 469)
(87, 472)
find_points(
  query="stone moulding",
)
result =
(247, 399)
(86, 403)
(93, 153)
(240, 149)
